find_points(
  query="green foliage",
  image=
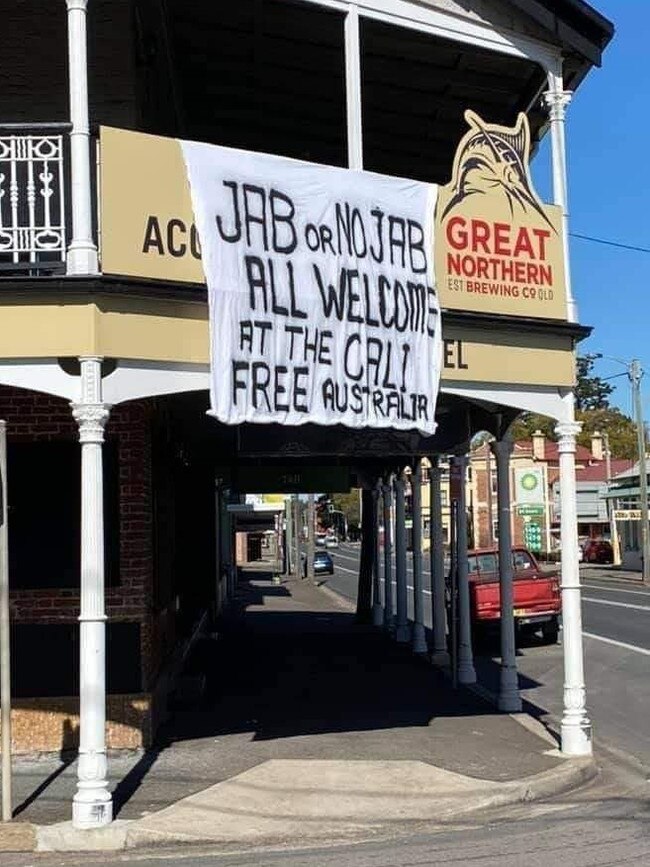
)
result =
(592, 392)
(529, 422)
(593, 410)
(619, 428)
(346, 503)
(349, 505)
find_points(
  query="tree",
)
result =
(592, 409)
(620, 430)
(529, 422)
(347, 503)
(592, 392)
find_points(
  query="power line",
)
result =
(607, 243)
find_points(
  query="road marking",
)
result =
(343, 569)
(615, 589)
(393, 583)
(633, 647)
(409, 564)
(616, 604)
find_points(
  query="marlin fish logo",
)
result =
(493, 158)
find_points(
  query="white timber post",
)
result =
(576, 727)
(556, 100)
(82, 252)
(353, 88)
(402, 631)
(387, 492)
(440, 655)
(92, 804)
(466, 672)
(419, 636)
(377, 610)
(509, 699)
(576, 733)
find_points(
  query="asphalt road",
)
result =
(605, 823)
(579, 831)
(616, 626)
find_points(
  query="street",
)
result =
(575, 831)
(602, 823)
(616, 626)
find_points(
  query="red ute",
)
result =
(537, 601)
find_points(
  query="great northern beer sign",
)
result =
(499, 249)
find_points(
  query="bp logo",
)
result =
(529, 481)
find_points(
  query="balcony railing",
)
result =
(32, 198)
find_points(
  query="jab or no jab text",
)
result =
(323, 305)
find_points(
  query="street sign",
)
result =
(530, 510)
(626, 514)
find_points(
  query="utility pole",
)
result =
(635, 373)
(288, 535)
(311, 536)
(488, 474)
(297, 532)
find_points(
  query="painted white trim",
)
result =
(446, 25)
(546, 401)
(38, 374)
(140, 379)
(92, 802)
(82, 252)
(353, 89)
(132, 380)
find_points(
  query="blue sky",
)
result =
(608, 141)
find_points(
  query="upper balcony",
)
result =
(375, 84)
(34, 217)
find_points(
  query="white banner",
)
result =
(322, 298)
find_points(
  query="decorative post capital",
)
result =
(91, 418)
(76, 5)
(567, 431)
(556, 102)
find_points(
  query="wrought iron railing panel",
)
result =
(32, 200)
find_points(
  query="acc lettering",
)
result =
(172, 238)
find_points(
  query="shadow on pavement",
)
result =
(290, 675)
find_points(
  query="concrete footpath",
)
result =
(303, 728)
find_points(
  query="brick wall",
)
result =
(33, 417)
(52, 724)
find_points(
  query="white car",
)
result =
(331, 542)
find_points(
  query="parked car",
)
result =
(598, 551)
(323, 564)
(331, 542)
(537, 602)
